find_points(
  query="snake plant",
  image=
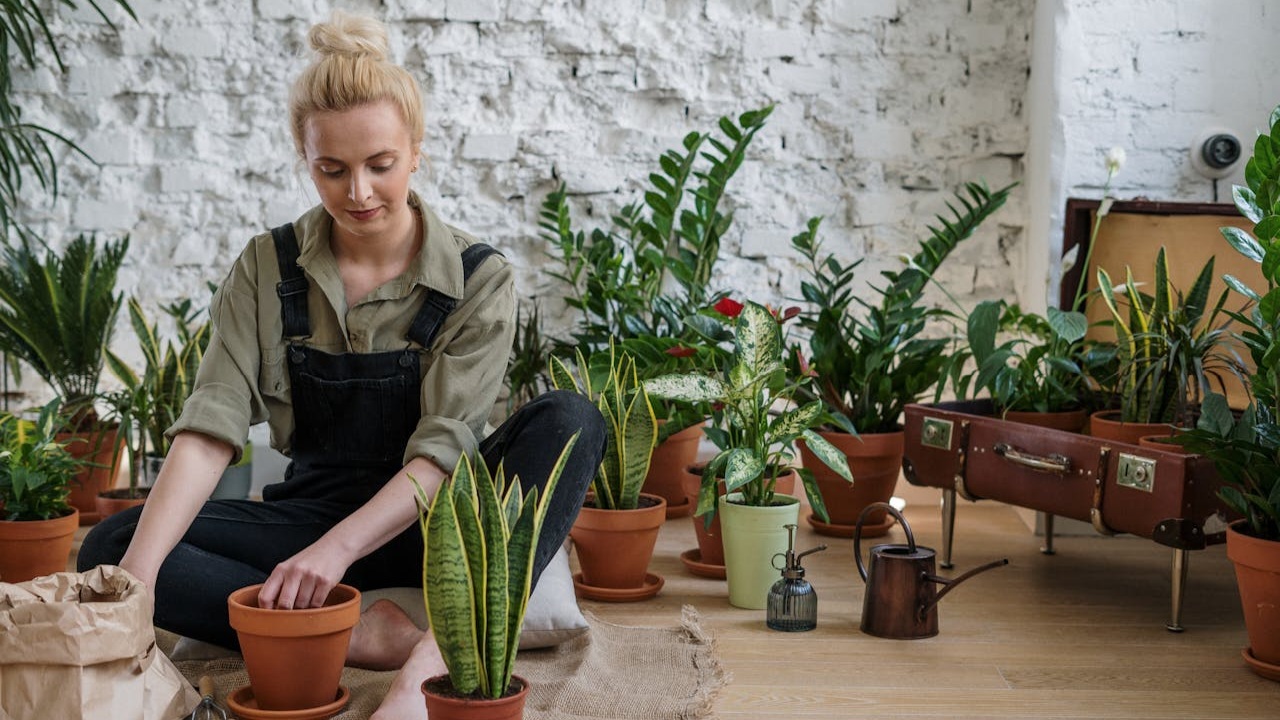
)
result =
(1170, 349)
(481, 532)
(611, 382)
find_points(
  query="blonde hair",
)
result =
(350, 70)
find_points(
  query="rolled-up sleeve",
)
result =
(462, 382)
(225, 399)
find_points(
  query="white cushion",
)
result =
(552, 617)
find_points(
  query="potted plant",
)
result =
(873, 358)
(644, 279)
(754, 450)
(480, 532)
(1169, 347)
(617, 527)
(57, 315)
(1246, 450)
(1040, 373)
(37, 525)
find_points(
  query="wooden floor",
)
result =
(1079, 634)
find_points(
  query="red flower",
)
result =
(805, 370)
(728, 307)
(681, 351)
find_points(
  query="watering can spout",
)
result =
(952, 582)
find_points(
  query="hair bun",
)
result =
(350, 35)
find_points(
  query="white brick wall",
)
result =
(882, 108)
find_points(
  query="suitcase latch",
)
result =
(1136, 472)
(936, 433)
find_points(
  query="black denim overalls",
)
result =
(353, 415)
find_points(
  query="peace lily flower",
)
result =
(1115, 160)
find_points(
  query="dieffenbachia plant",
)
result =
(754, 442)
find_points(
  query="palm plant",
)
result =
(58, 312)
(481, 532)
(612, 383)
(28, 147)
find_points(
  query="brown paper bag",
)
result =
(81, 645)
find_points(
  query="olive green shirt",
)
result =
(244, 378)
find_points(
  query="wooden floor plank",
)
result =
(1079, 634)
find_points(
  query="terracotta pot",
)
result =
(753, 535)
(1163, 441)
(1257, 564)
(614, 546)
(875, 459)
(103, 450)
(1106, 424)
(35, 548)
(294, 657)
(110, 502)
(710, 544)
(1068, 420)
(666, 465)
(443, 705)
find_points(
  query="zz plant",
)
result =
(612, 383)
(481, 532)
(871, 358)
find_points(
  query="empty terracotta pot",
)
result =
(294, 657)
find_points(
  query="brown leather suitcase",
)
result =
(1167, 497)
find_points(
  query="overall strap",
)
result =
(437, 306)
(293, 285)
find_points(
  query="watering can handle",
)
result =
(857, 533)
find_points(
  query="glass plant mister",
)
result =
(793, 603)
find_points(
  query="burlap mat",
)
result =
(614, 672)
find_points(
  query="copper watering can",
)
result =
(901, 599)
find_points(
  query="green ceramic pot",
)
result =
(752, 536)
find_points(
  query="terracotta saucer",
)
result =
(681, 510)
(90, 518)
(652, 584)
(244, 706)
(1265, 669)
(692, 559)
(846, 531)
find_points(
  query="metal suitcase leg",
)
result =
(1178, 581)
(948, 526)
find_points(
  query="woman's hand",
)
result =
(304, 580)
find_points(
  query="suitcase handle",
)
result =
(1052, 463)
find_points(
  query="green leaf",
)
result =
(741, 467)
(450, 594)
(1070, 326)
(1243, 242)
(687, 388)
(828, 454)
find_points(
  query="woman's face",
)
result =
(360, 161)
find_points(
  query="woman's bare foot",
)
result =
(383, 639)
(404, 700)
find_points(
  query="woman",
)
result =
(373, 339)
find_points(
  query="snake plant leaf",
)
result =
(687, 388)
(521, 547)
(609, 475)
(561, 378)
(474, 555)
(1163, 301)
(638, 436)
(497, 594)
(828, 454)
(450, 593)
